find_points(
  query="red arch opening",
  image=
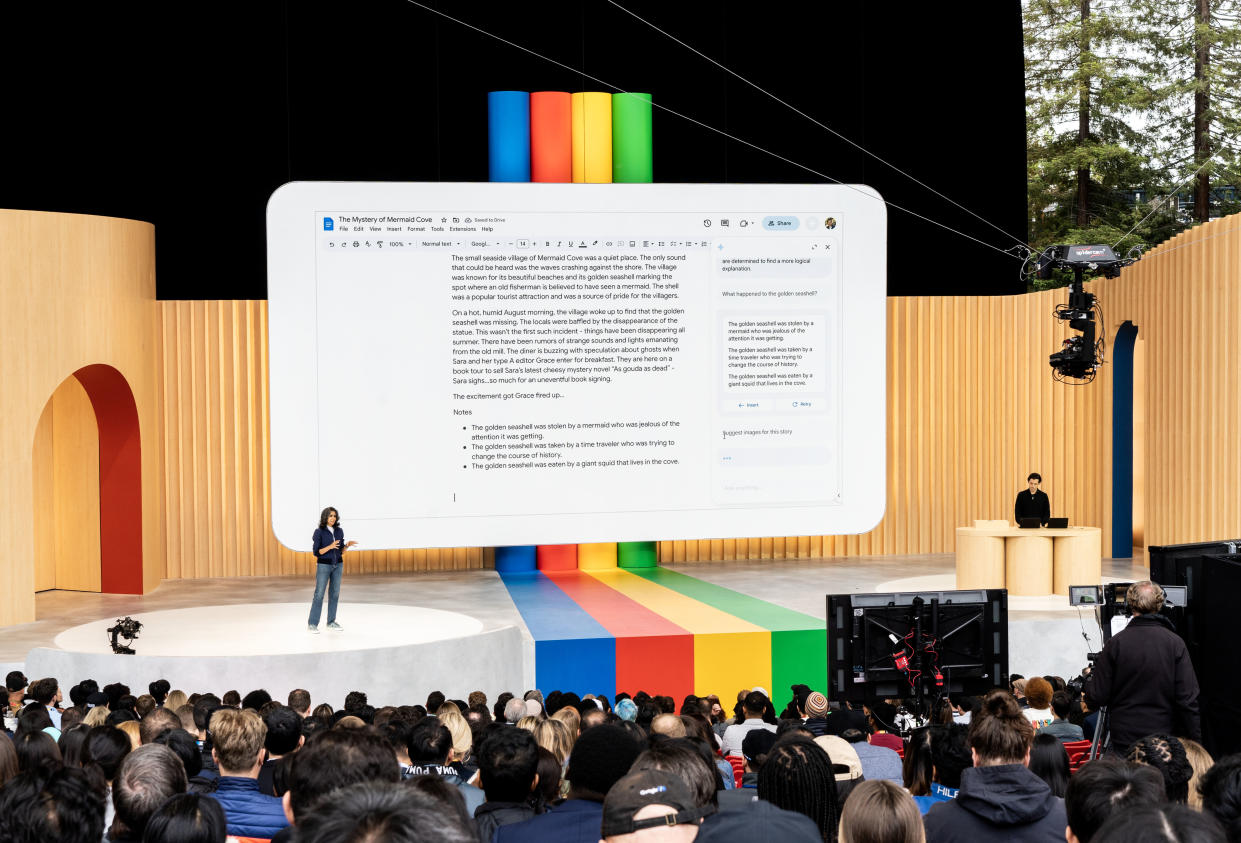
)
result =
(120, 478)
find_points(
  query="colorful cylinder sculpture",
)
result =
(551, 136)
(631, 138)
(557, 557)
(596, 556)
(515, 560)
(592, 137)
(636, 555)
(508, 135)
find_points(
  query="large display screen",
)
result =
(497, 364)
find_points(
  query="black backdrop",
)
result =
(189, 115)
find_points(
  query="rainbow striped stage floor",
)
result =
(662, 631)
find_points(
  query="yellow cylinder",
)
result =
(592, 137)
(596, 556)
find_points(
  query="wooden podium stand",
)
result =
(1028, 562)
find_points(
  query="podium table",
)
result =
(1029, 562)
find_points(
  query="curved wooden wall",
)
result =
(972, 409)
(78, 291)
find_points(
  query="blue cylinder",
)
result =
(516, 559)
(508, 135)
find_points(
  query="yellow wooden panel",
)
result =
(75, 483)
(44, 502)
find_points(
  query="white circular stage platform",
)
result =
(397, 654)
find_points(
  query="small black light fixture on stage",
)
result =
(126, 628)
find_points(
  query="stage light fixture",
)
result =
(1081, 355)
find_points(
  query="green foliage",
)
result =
(1110, 98)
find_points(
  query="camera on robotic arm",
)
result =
(1082, 354)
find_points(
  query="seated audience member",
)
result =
(102, 754)
(815, 714)
(501, 703)
(1060, 726)
(51, 804)
(231, 699)
(255, 700)
(508, 764)
(182, 743)
(204, 707)
(131, 729)
(548, 791)
(1090, 717)
(1201, 761)
(238, 736)
(430, 747)
(175, 700)
(46, 692)
(999, 798)
(159, 690)
(798, 776)
(627, 709)
(1038, 695)
(299, 701)
(70, 745)
(752, 709)
(845, 716)
(878, 762)
(514, 710)
(1018, 684)
(882, 719)
(1169, 823)
(187, 818)
(333, 759)
(600, 758)
(698, 727)
(686, 760)
(8, 759)
(1167, 755)
(35, 718)
(845, 763)
(1104, 787)
(1050, 762)
(37, 749)
(159, 720)
(15, 684)
(284, 735)
(918, 768)
(149, 777)
(879, 811)
(650, 804)
(145, 705)
(594, 717)
(375, 812)
(1221, 794)
(754, 749)
(668, 725)
(950, 756)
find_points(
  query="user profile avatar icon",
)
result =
(829, 223)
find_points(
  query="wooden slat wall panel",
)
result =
(214, 438)
(972, 409)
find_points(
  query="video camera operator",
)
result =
(1144, 676)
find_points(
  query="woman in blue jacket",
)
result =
(328, 544)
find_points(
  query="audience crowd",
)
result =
(170, 767)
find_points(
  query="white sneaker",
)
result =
(334, 625)
(312, 628)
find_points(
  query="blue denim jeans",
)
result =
(327, 577)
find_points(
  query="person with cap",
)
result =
(753, 707)
(600, 758)
(754, 748)
(627, 709)
(814, 714)
(649, 805)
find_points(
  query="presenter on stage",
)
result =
(1033, 502)
(329, 546)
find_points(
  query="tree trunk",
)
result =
(1083, 121)
(1202, 101)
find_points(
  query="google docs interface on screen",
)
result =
(481, 376)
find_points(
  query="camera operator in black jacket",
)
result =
(1144, 676)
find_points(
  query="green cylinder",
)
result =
(631, 138)
(636, 555)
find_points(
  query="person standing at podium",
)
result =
(1033, 502)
